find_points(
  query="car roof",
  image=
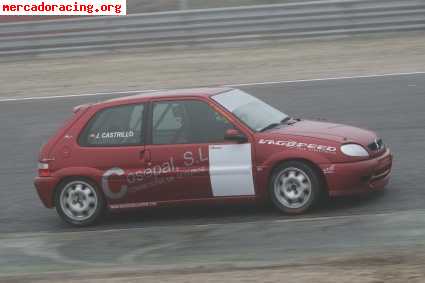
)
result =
(146, 96)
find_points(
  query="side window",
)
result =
(187, 121)
(170, 123)
(115, 126)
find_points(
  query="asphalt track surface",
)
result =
(393, 106)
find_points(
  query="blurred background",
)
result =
(184, 43)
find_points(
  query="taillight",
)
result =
(43, 169)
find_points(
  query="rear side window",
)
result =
(115, 126)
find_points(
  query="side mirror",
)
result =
(235, 135)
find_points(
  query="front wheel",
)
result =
(294, 187)
(79, 202)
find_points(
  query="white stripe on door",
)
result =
(231, 170)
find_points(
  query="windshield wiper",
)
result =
(286, 119)
(271, 126)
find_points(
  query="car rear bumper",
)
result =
(45, 187)
(358, 177)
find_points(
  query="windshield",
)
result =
(255, 113)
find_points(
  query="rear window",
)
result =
(115, 126)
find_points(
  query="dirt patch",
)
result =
(387, 274)
(135, 70)
(389, 268)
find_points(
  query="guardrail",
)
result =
(214, 26)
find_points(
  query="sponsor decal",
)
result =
(105, 184)
(189, 159)
(134, 205)
(300, 145)
(112, 135)
(157, 181)
(154, 171)
(154, 176)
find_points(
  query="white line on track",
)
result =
(74, 95)
(328, 79)
(2, 99)
(279, 221)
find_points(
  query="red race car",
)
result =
(201, 145)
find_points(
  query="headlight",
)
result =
(354, 150)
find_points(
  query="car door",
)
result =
(189, 157)
(230, 162)
(113, 143)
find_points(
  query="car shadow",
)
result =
(221, 214)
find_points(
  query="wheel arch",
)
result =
(70, 178)
(312, 164)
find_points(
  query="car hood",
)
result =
(329, 131)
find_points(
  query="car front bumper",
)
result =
(358, 177)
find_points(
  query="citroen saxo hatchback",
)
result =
(201, 145)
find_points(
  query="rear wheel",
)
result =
(79, 202)
(294, 187)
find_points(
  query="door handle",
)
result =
(145, 155)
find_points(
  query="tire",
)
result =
(295, 187)
(79, 202)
